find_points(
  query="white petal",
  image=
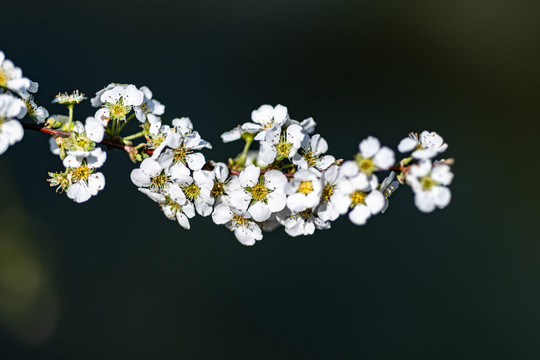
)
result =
(275, 179)
(369, 147)
(359, 214)
(407, 144)
(384, 158)
(441, 196)
(195, 161)
(276, 201)
(259, 211)
(140, 178)
(133, 96)
(182, 220)
(375, 201)
(222, 214)
(240, 199)
(249, 176)
(151, 167)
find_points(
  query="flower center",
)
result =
(259, 192)
(3, 78)
(310, 158)
(305, 214)
(238, 221)
(175, 207)
(427, 183)
(283, 148)
(82, 142)
(366, 166)
(327, 191)
(158, 182)
(180, 154)
(358, 197)
(119, 111)
(305, 187)
(192, 191)
(267, 125)
(82, 173)
(218, 189)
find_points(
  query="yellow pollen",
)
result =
(237, 220)
(218, 189)
(366, 166)
(305, 187)
(82, 172)
(259, 192)
(159, 181)
(305, 214)
(3, 78)
(118, 111)
(358, 197)
(283, 148)
(180, 154)
(427, 182)
(327, 191)
(268, 125)
(310, 158)
(192, 191)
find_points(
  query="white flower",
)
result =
(69, 99)
(197, 188)
(38, 113)
(278, 146)
(429, 182)
(220, 177)
(150, 109)
(331, 194)
(245, 229)
(427, 146)
(372, 157)
(311, 154)
(265, 118)
(11, 78)
(388, 187)
(359, 194)
(232, 135)
(150, 175)
(11, 130)
(173, 203)
(259, 195)
(302, 223)
(304, 191)
(181, 150)
(118, 102)
(84, 182)
(96, 100)
(308, 125)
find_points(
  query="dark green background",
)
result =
(114, 279)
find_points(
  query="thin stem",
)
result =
(135, 136)
(125, 123)
(105, 142)
(241, 160)
(70, 108)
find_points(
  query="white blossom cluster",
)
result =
(288, 180)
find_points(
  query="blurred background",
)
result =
(114, 279)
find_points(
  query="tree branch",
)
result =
(110, 144)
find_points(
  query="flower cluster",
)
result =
(288, 180)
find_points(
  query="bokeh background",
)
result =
(114, 279)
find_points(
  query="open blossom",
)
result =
(11, 130)
(259, 195)
(360, 194)
(38, 113)
(265, 118)
(331, 194)
(181, 149)
(221, 180)
(150, 109)
(11, 78)
(311, 154)
(302, 223)
(278, 146)
(429, 182)
(304, 191)
(197, 187)
(245, 229)
(85, 183)
(425, 146)
(118, 101)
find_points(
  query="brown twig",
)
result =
(110, 144)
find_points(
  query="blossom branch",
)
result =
(105, 142)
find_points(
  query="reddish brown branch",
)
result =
(110, 144)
